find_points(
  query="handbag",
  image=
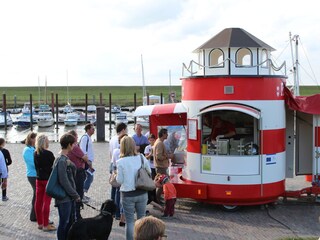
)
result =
(53, 188)
(143, 179)
(113, 180)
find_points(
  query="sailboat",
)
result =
(143, 121)
(2, 119)
(68, 108)
(44, 107)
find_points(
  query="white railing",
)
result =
(190, 69)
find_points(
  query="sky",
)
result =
(103, 42)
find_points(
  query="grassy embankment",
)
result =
(123, 96)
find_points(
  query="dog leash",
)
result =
(91, 206)
(103, 212)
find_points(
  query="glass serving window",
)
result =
(244, 142)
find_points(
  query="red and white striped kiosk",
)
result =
(235, 81)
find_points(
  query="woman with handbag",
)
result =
(66, 177)
(115, 157)
(132, 199)
(43, 161)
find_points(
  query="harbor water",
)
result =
(15, 134)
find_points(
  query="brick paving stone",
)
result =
(192, 220)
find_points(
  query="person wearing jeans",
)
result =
(132, 199)
(8, 161)
(64, 210)
(87, 148)
(66, 177)
(79, 159)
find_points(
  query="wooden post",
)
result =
(31, 113)
(100, 124)
(110, 114)
(100, 99)
(86, 109)
(4, 104)
(57, 112)
(15, 101)
(52, 104)
(135, 106)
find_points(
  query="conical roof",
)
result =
(234, 37)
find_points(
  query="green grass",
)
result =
(309, 90)
(123, 96)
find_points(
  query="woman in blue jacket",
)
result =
(28, 156)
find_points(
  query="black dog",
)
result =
(98, 227)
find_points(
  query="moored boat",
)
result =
(44, 108)
(45, 119)
(121, 118)
(68, 109)
(24, 120)
(91, 109)
(2, 119)
(27, 108)
(71, 119)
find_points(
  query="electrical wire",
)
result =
(283, 224)
(313, 77)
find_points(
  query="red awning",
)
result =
(306, 104)
(233, 107)
(160, 109)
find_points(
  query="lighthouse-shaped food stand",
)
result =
(235, 87)
(235, 81)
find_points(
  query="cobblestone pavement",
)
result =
(192, 220)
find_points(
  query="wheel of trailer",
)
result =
(230, 208)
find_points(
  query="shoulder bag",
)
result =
(53, 188)
(113, 179)
(143, 179)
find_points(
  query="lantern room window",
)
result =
(216, 58)
(264, 58)
(244, 57)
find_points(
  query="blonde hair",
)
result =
(127, 147)
(30, 136)
(149, 228)
(41, 143)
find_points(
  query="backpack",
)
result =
(86, 164)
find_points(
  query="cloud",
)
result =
(100, 42)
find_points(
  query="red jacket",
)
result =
(169, 191)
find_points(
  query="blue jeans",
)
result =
(64, 210)
(131, 205)
(87, 182)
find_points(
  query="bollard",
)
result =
(100, 124)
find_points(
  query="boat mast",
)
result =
(68, 102)
(39, 90)
(295, 62)
(144, 93)
(170, 90)
(45, 91)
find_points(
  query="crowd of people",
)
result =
(75, 174)
(74, 166)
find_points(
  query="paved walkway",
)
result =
(192, 221)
